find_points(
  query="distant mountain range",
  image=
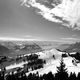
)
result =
(63, 46)
(73, 48)
(13, 49)
(4, 50)
(8, 48)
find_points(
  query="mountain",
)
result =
(4, 50)
(48, 44)
(31, 48)
(73, 48)
(52, 62)
(25, 47)
(10, 45)
(63, 46)
(8, 48)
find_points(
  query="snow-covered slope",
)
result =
(49, 53)
(52, 62)
(72, 67)
(16, 65)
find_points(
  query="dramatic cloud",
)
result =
(65, 12)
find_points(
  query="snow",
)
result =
(49, 53)
(47, 68)
(51, 63)
(73, 53)
(70, 66)
(16, 65)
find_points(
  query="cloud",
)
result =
(65, 12)
(71, 38)
(28, 36)
(17, 39)
(74, 35)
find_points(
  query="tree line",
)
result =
(62, 74)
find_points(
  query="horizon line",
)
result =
(23, 39)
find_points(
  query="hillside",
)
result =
(4, 50)
(33, 58)
(13, 49)
(63, 46)
(52, 59)
(73, 48)
(32, 48)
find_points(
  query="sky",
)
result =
(21, 20)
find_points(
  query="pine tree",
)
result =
(61, 68)
(78, 76)
(73, 76)
(61, 72)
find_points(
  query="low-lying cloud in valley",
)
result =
(65, 12)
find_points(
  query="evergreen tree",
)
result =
(61, 72)
(72, 76)
(61, 68)
(78, 77)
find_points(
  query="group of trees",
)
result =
(34, 62)
(61, 74)
(27, 57)
(76, 55)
